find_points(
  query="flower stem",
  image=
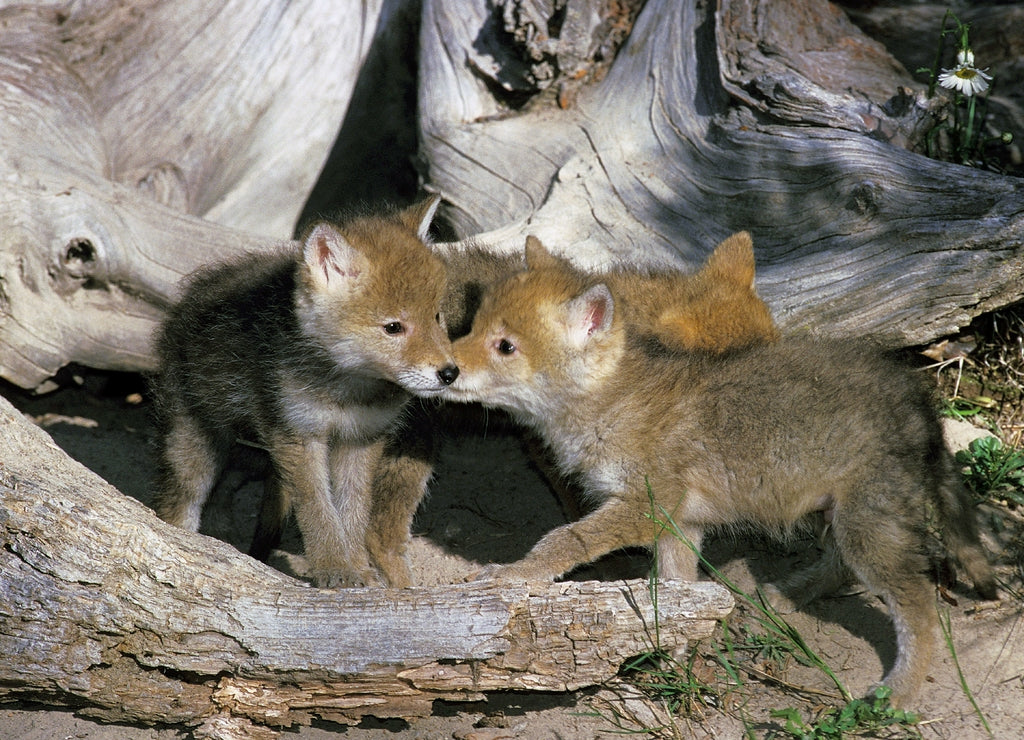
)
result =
(968, 146)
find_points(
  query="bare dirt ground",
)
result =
(487, 504)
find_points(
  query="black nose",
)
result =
(448, 374)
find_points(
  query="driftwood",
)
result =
(784, 119)
(143, 140)
(106, 609)
(780, 118)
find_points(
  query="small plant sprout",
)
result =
(859, 717)
(993, 470)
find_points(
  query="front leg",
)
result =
(677, 557)
(303, 474)
(400, 485)
(352, 471)
(617, 523)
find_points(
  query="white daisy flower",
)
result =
(965, 77)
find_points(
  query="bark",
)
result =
(780, 118)
(142, 140)
(107, 609)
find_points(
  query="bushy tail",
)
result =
(959, 527)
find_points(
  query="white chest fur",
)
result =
(319, 413)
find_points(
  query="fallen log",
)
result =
(108, 610)
(142, 141)
(782, 119)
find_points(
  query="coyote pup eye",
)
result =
(506, 347)
(394, 327)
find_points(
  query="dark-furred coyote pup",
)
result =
(311, 355)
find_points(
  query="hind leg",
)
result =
(274, 510)
(826, 576)
(959, 528)
(914, 615)
(887, 552)
(187, 468)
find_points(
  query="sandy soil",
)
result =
(488, 505)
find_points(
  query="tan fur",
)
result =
(716, 308)
(400, 483)
(759, 436)
(722, 309)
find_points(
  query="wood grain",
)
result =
(750, 117)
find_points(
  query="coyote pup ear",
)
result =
(589, 314)
(331, 260)
(419, 216)
(539, 258)
(733, 260)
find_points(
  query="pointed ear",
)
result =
(539, 258)
(330, 259)
(419, 216)
(733, 260)
(589, 314)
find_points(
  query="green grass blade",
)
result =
(945, 622)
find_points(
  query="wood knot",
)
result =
(79, 250)
(864, 199)
(79, 264)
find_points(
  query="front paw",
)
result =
(511, 573)
(346, 578)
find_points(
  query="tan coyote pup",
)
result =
(760, 435)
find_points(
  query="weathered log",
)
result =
(106, 609)
(88, 268)
(119, 123)
(779, 118)
(225, 111)
(909, 32)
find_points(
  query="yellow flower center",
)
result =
(966, 73)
